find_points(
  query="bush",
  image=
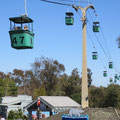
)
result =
(13, 115)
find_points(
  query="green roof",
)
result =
(21, 19)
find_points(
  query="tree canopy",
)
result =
(47, 77)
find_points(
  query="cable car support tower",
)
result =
(84, 100)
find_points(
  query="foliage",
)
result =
(7, 87)
(47, 72)
(113, 96)
(48, 77)
(97, 96)
(13, 115)
(105, 97)
(39, 92)
(71, 85)
(89, 75)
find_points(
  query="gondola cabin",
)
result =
(111, 80)
(69, 20)
(94, 55)
(116, 77)
(104, 73)
(96, 26)
(110, 65)
(115, 81)
(21, 32)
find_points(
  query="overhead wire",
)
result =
(26, 8)
(108, 51)
(72, 1)
(56, 2)
(95, 48)
(93, 45)
(109, 58)
(105, 69)
(100, 43)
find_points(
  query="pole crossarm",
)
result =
(83, 10)
(78, 7)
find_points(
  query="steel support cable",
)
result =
(108, 50)
(26, 8)
(106, 45)
(93, 44)
(56, 2)
(105, 41)
(95, 49)
(100, 44)
(72, 1)
(88, 21)
(59, 4)
(109, 54)
(102, 35)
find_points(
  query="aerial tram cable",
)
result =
(100, 43)
(110, 63)
(26, 8)
(61, 2)
(96, 49)
(105, 42)
(77, 11)
(101, 34)
(105, 70)
(56, 2)
(71, 1)
(109, 59)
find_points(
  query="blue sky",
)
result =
(53, 39)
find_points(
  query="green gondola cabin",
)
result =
(110, 65)
(96, 26)
(105, 73)
(111, 80)
(115, 81)
(21, 32)
(94, 55)
(116, 77)
(69, 20)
